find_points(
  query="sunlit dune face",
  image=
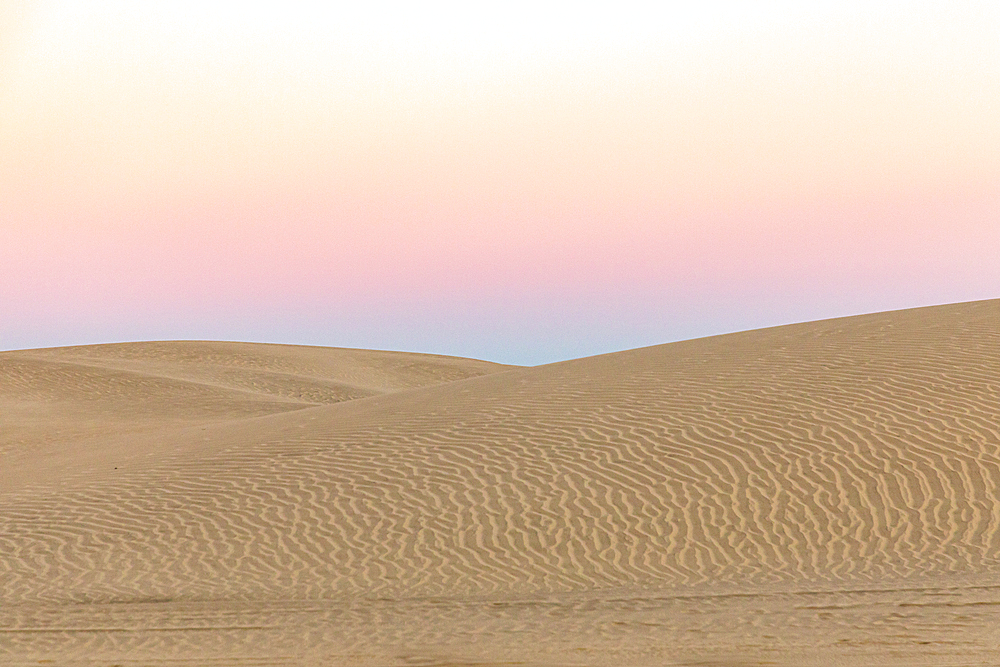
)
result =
(274, 147)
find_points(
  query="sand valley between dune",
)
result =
(825, 493)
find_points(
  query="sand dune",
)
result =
(63, 409)
(823, 493)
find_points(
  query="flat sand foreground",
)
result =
(824, 493)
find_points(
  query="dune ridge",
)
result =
(842, 458)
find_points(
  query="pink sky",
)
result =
(509, 182)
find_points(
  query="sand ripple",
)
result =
(860, 450)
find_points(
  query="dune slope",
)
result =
(840, 457)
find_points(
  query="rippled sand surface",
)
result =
(825, 494)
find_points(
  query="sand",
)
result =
(817, 494)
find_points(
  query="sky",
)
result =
(523, 182)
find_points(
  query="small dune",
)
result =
(63, 408)
(820, 493)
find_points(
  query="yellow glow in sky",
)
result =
(115, 99)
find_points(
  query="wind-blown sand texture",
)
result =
(822, 493)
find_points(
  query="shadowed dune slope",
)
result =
(853, 451)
